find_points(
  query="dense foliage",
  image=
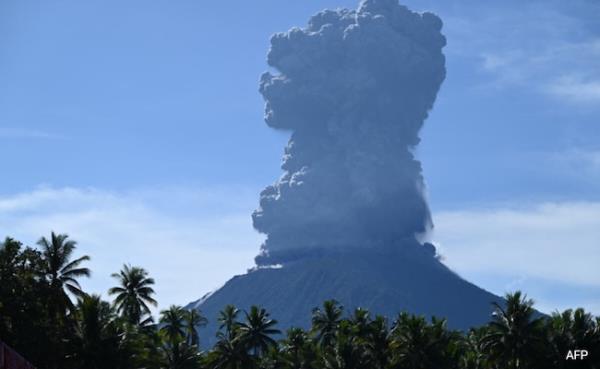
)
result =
(47, 317)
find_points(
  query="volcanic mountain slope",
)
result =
(384, 281)
(354, 89)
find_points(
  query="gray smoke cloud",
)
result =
(354, 88)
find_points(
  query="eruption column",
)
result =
(354, 88)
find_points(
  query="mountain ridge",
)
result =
(386, 281)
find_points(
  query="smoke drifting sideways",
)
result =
(354, 88)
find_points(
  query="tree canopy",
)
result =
(49, 319)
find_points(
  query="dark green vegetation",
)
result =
(45, 315)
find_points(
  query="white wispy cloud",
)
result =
(194, 240)
(191, 241)
(539, 46)
(576, 89)
(563, 69)
(523, 246)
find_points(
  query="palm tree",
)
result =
(134, 293)
(361, 323)
(584, 330)
(348, 351)
(378, 343)
(297, 351)
(326, 322)
(193, 320)
(514, 333)
(571, 329)
(173, 329)
(473, 355)
(416, 344)
(228, 321)
(172, 321)
(95, 346)
(229, 354)
(255, 333)
(409, 341)
(61, 271)
(187, 357)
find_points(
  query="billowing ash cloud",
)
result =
(354, 87)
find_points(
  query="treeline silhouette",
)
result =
(47, 317)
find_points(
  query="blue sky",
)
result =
(137, 128)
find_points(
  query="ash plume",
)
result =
(354, 87)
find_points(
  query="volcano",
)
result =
(386, 282)
(344, 221)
